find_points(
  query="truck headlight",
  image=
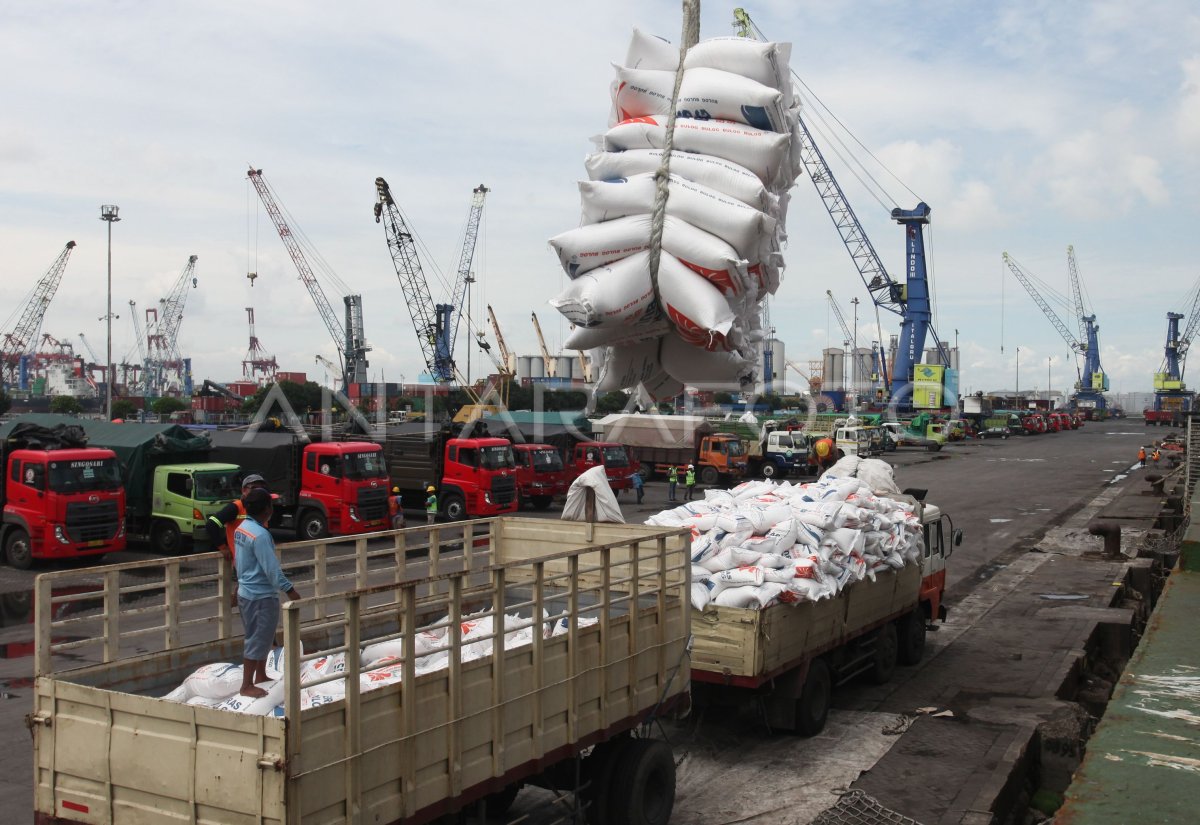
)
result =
(120, 528)
(353, 513)
(61, 534)
(487, 498)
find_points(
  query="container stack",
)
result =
(733, 157)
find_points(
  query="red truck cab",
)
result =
(478, 478)
(618, 465)
(60, 504)
(540, 474)
(343, 489)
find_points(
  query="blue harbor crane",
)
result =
(1091, 382)
(1172, 399)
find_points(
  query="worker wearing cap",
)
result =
(689, 482)
(431, 505)
(396, 509)
(222, 524)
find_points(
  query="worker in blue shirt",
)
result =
(260, 581)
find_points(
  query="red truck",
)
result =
(61, 498)
(540, 474)
(618, 464)
(472, 476)
(324, 488)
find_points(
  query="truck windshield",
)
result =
(85, 475)
(735, 448)
(217, 486)
(496, 458)
(616, 456)
(365, 465)
(545, 461)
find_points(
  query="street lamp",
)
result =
(108, 214)
(1049, 403)
(1017, 389)
(854, 376)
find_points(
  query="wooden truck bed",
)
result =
(107, 751)
(744, 647)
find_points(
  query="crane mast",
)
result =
(506, 356)
(162, 337)
(551, 362)
(25, 335)
(350, 340)
(466, 256)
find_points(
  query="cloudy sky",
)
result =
(1026, 126)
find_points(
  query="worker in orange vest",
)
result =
(1154, 456)
(1142, 455)
(222, 524)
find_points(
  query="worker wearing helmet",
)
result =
(689, 482)
(396, 509)
(823, 452)
(431, 505)
(1141, 455)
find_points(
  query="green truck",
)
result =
(170, 485)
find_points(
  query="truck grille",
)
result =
(504, 489)
(92, 522)
(372, 504)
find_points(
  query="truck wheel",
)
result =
(18, 550)
(769, 470)
(709, 475)
(454, 508)
(887, 649)
(312, 526)
(598, 769)
(165, 537)
(643, 784)
(812, 708)
(933, 448)
(497, 804)
(541, 502)
(912, 638)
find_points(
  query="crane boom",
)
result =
(1023, 276)
(88, 347)
(505, 354)
(426, 319)
(1189, 332)
(25, 335)
(352, 347)
(171, 310)
(841, 319)
(464, 262)
(1077, 307)
(551, 362)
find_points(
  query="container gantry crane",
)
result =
(1091, 382)
(166, 371)
(350, 339)
(25, 336)
(257, 365)
(1171, 394)
(436, 325)
(912, 300)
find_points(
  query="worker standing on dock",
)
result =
(260, 581)
(396, 509)
(638, 486)
(431, 505)
(689, 482)
(672, 482)
(1142, 455)
(1154, 456)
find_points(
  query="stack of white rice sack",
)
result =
(382, 663)
(734, 157)
(762, 543)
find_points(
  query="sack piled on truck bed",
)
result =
(382, 663)
(763, 542)
(734, 156)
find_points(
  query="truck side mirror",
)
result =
(958, 537)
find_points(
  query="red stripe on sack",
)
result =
(719, 278)
(693, 333)
(75, 806)
(647, 119)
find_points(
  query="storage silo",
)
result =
(778, 359)
(537, 367)
(834, 377)
(566, 367)
(864, 363)
(524, 367)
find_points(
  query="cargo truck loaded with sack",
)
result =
(323, 488)
(664, 441)
(171, 485)
(509, 652)
(799, 589)
(60, 497)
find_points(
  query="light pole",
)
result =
(1017, 389)
(108, 214)
(1049, 403)
(854, 377)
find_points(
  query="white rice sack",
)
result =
(392, 671)
(721, 560)
(783, 534)
(583, 339)
(260, 706)
(323, 666)
(740, 576)
(773, 561)
(699, 572)
(701, 593)
(734, 539)
(629, 365)
(648, 51)
(586, 247)
(742, 596)
(701, 368)
(326, 694)
(809, 590)
(219, 680)
(763, 518)
(617, 295)
(784, 575)
(705, 94)
(704, 548)
(200, 701)
(844, 467)
(766, 154)
(564, 624)
(769, 593)
(878, 475)
(764, 62)
(749, 231)
(719, 174)
(700, 313)
(720, 499)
